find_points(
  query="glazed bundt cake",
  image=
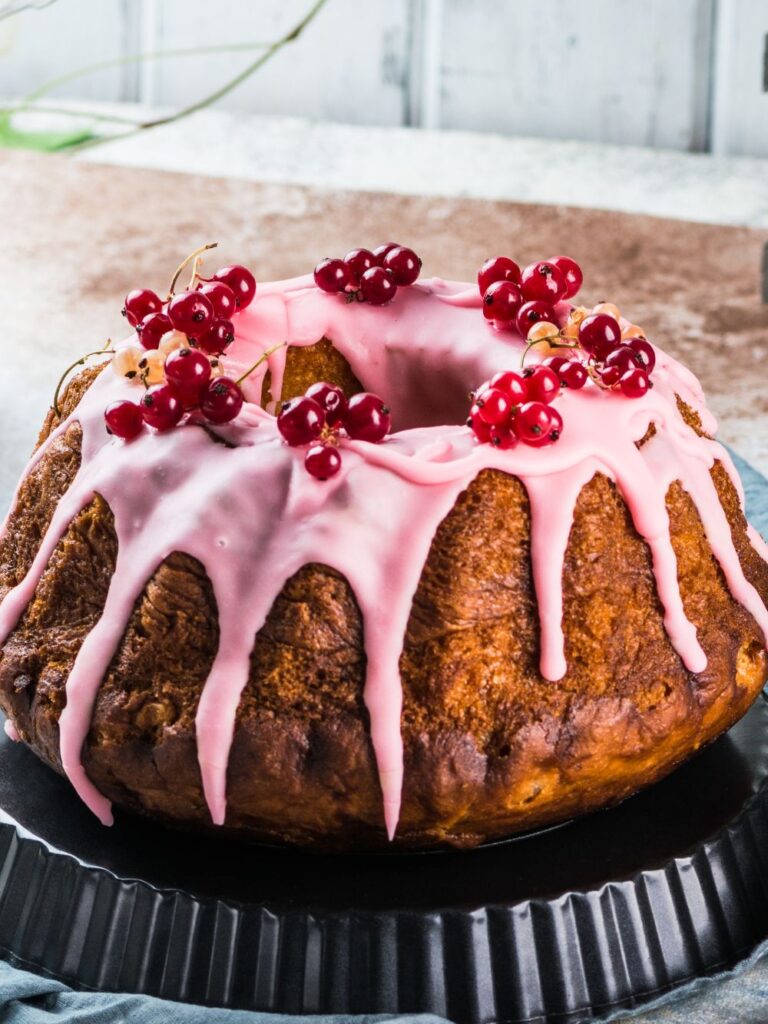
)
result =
(264, 598)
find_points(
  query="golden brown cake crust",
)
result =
(490, 747)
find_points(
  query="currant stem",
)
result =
(549, 341)
(259, 361)
(105, 351)
(192, 256)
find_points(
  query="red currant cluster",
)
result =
(189, 385)
(521, 298)
(517, 407)
(203, 312)
(317, 418)
(615, 363)
(369, 276)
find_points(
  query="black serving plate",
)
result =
(606, 911)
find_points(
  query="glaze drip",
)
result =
(252, 516)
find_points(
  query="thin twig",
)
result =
(105, 351)
(259, 361)
(186, 262)
(291, 36)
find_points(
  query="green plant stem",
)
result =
(270, 50)
(259, 361)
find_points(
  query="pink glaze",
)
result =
(253, 516)
(11, 731)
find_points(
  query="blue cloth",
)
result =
(736, 997)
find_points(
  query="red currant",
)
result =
(219, 336)
(634, 383)
(221, 400)
(571, 373)
(381, 251)
(403, 264)
(377, 286)
(477, 425)
(609, 376)
(191, 313)
(622, 358)
(534, 422)
(556, 426)
(599, 334)
(162, 407)
(140, 303)
(222, 298)
(531, 313)
(301, 420)
(502, 301)
(502, 436)
(645, 357)
(322, 461)
(332, 275)
(543, 384)
(498, 268)
(367, 418)
(542, 282)
(189, 372)
(124, 419)
(494, 406)
(152, 328)
(571, 272)
(332, 400)
(512, 384)
(358, 261)
(241, 281)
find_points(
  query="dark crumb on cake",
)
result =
(491, 747)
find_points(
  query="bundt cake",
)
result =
(262, 598)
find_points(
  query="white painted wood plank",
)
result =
(350, 65)
(36, 45)
(608, 70)
(740, 101)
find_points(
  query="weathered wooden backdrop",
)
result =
(684, 74)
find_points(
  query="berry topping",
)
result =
(191, 313)
(645, 357)
(502, 436)
(377, 286)
(571, 272)
(530, 313)
(301, 420)
(358, 261)
(189, 372)
(542, 282)
(140, 303)
(479, 427)
(498, 268)
(622, 357)
(543, 384)
(152, 328)
(241, 281)
(493, 406)
(381, 251)
(162, 407)
(634, 383)
(512, 384)
(571, 373)
(599, 334)
(218, 337)
(221, 400)
(221, 297)
(124, 419)
(502, 301)
(331, 398)
(332, 275)
(367, 418)
(403, 264)
(322, 461)
(535, 423)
